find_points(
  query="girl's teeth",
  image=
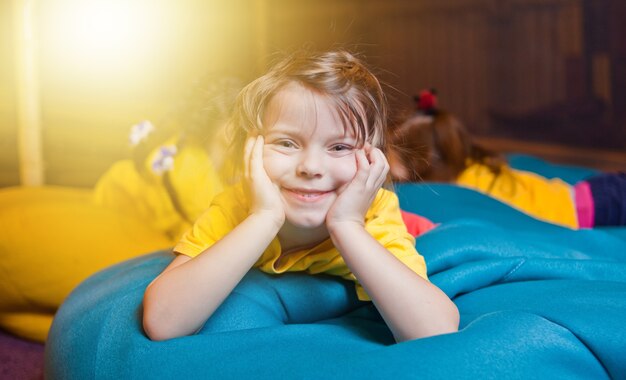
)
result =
(307, 195)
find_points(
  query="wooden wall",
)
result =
(479, 54)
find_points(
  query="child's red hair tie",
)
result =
(426, 102)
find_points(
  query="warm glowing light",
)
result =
(104, 26)
(105, 32)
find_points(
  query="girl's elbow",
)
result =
(449, 319)
(452, 319)
(153, 330)
(446, 322)
(154, 326)
(163, 321)
(151, 326)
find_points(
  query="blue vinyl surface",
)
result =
(536, 301)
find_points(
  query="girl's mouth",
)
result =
(305, 195)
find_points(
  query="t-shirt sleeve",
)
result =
(384, 222)
(217, 221)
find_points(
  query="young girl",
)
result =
(433, 145)
(310, 200)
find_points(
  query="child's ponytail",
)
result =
(434, 145)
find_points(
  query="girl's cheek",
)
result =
(346, 167)
(266, 153)
(273, 162)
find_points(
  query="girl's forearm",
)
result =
(411, 306)
(186, 294)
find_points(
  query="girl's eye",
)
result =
(285, 144)
(341, 148)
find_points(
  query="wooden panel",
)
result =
(479, 54)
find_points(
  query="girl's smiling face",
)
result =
(308, 153)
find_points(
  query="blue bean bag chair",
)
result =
(536, 301)
(568, 173)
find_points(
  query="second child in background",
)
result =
(434, 145)
(178, 164)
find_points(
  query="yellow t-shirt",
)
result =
(383, 221)
(546, 199)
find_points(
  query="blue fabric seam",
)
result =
(512, 271)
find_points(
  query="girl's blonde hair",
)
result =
(341, 76)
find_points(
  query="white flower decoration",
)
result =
(140, 131)
(164, 159)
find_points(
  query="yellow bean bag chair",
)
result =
(52, 238)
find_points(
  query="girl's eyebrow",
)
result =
(277, 129)
(294, 131)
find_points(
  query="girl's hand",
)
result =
(356, 196)
(264, 195)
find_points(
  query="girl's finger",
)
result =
(377, 168)
(362, 166)
(385, 169)
(367, 148)
(247, 155)
(257, 157)
(382, 158)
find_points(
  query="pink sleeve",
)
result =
(415, 224)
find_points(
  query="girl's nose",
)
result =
(310, 165)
